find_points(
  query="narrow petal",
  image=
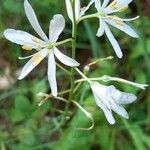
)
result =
(57, 25)
(101, 29)
(105, 3)
(69, 9)
(77, 9)
(65, 59)
(33, 20)
(123, 27)
(98, 5)
(107, 112)
(33, 62)
(113, 41)
(22, 38)
(86, 8)
(52, 73)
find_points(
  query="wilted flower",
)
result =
(45, 47)
(105, 14)
(79, 12)
(109, 99)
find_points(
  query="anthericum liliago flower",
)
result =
(45, 47)
(79, 12)
(105, 14)
(109, 99)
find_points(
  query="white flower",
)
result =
(45, 47)
(79, 12)
(109, 99)
(106, 17)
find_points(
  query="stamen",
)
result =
(25, 47)
(122, 9)
(36, 58)
(119, 22)
(113, 4)
(35, 39)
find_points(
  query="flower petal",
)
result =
(19, 37)
(105, 3)
(33, 62)
(69, 9)
(77, 9)
(107, 112)
(33, 20)
(121, 97)
(101, 29)
(52, 73)
(86, 8)
(57, 25)
(123, 27)
(121, 3)
(98, 5)
(100, 91)
(113, 41)
(65, 59)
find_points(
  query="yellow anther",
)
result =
(113, 4)
(36, 40)
(119, 22)
(36, 58)
(27, 48)
(122, 9)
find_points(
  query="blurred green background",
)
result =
(25, 126)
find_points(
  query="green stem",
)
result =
(72, 76)
(96, 15)
(63, 42)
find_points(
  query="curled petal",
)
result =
(65, 59)
(33, 20)
(57, 25)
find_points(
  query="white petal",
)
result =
(77, 9)
(69, 9)
(33, 62)
(86, 8)
(121, 3)
(33, 20)
(123, 27)
(98, 5)
(101, 29)
(65, 59)
(57, 25)
(107, 112)
(105, 3)
(120, 111)
(21, 38)
(52, 73)
(100, 91)
(113, 41)
(121, 97)
(118, 6)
